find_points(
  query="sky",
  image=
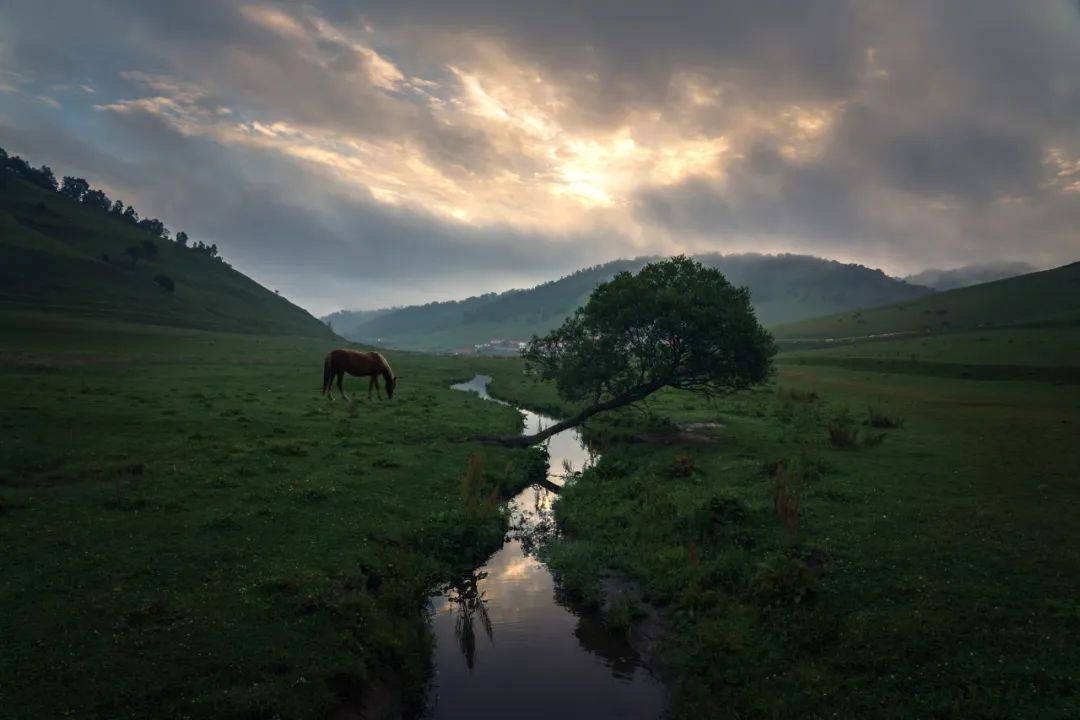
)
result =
(364, 154)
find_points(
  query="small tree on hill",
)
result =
(154, 226)
(165, 282)
(182, 238)
(134, 252)
(74, 187)
(96, 199)
(675, 324)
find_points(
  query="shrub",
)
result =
(843, 437)
(165, 282)
(134, 252)
(715, 519)
(877, 419)
(785, 500)
(682, 467)
(623, 614)
(872, 439)
(799, 396)
(785, 580)
(843, 434)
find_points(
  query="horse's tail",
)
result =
(327, 374)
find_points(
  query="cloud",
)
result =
(408, 148)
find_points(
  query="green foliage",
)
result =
(622, 614)
(675, 324)
(878, 419)
(843, 433)
(783, 580)
(165, 282)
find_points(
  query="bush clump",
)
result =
(786, 580)
(878, 419)
(165, 282)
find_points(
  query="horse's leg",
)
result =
(341, 389)
(372, 383)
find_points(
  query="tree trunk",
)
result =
(525, 440)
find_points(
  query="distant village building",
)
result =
(500, 346)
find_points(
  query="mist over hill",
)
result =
(784, 288)
(949, 279)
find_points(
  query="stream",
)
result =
(508, 647)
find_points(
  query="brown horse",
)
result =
(358, 363)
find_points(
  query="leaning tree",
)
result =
(675, 324)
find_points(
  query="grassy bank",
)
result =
(190, 530)
(852, 543)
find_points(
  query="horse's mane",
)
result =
(387, 371)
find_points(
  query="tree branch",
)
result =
(633, 396)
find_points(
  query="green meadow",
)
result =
(191, 530)
(846, 542)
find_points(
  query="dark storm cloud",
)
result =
(274, 219)
(379, 145)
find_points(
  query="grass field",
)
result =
(923, 570)
(190, 530)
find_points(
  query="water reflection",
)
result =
(545, 658)
(465, 595)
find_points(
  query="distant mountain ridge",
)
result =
(784, 288)
(952, 278)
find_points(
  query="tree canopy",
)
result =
(676, 324)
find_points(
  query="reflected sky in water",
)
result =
(505, 648)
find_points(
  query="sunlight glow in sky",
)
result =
(323, 145)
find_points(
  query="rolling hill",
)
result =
(1021, 328)
(1050, 297)
(60, 256)
(784, 288)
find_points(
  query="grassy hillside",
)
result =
(1051, 297)
(57, 255)
(783, 287)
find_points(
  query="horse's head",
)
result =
(391, 384)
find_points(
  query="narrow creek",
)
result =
(508, 646)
